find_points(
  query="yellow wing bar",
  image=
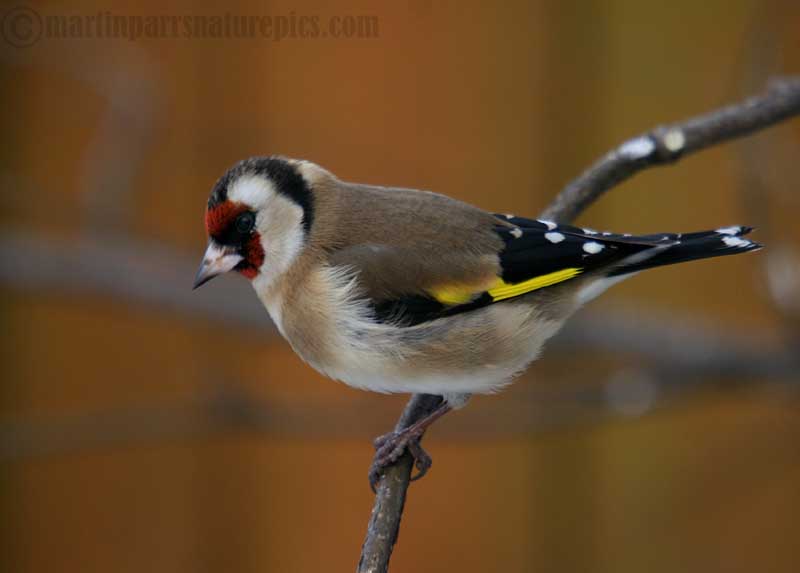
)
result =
(504, 290)
(455, 294)
(500, 290)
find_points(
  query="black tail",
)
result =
(671, 248)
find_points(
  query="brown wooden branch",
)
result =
(660, 146)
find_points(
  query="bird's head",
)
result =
(258, 217)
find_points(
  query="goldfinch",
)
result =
(399, 290)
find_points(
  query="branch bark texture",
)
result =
(660, 146)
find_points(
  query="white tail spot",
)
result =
(593, 248)
(735, 241)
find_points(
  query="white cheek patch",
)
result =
(280, 224)
(255, 192)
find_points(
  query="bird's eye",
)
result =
(245, 222)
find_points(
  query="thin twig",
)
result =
(667, 144)
(390, 497)
(662, 145)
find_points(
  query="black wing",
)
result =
(536, 254)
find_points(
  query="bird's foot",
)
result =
(389, 447)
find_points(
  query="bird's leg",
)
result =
(389, 447)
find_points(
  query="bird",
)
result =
(397, 290)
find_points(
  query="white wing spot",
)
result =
(729, 230)
(550, 224)
(735, 241)
(593, 248)
(589, 231)
(508, 216)
(516, 232)
(607, 234)
(554, 237)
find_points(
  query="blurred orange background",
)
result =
(146, 427)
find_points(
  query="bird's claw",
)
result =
(388, 449)
(422, 460)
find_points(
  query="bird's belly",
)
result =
(476, 352)
(333, 328)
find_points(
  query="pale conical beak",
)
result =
(216, 261)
